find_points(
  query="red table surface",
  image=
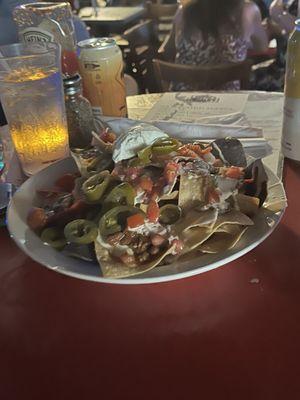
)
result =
(232, 333)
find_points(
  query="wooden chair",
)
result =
(167, 49)
(162, 15)
(142, 48)
(141, 34)
(158, 11)
(206, 77)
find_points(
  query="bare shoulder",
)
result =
(251, 18)
(254, 30)
(251, 10)
(178, 15)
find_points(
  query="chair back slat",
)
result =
(206, 77)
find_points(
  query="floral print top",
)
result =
(195, 50)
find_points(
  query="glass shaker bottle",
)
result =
(79, 114)
(49, 22)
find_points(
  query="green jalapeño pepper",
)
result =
(115, 220)
(144, 155)
(169, 214)
(94, 187)
(99, 163)
(54, 237)
(81, 231)
(164, 146)
(123, 194)
(135, 162)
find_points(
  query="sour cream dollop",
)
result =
(136, 139)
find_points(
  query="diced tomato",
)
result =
(158, 188)
(76, 211)
(154, 195)
(206, 150)
(213, 196)
(133, 172)
(218, 163)
(128, 259)
(234, 172)
(135, 220)
(79, 206)
(153, 211)
(170, 171)
(108, 136)
(117, 171)
(37, 219)
(66, 183)
(185, 152)
(146, 183)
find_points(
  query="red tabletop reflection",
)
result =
(232, 333)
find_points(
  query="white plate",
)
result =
(30, 243)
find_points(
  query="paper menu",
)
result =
(205, 108)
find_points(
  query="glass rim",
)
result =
(43, 6)
(44, 49)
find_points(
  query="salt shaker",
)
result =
(79, 114)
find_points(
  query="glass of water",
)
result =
(31, 94)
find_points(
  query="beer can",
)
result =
(101, 69)
(291, 114)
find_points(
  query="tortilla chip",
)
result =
(230, 229)
(258, 187)
(106, 147)
(219, 242)
(92, 165)
(276, 206)
(229, 150)
(112, 268)
(143, 207)
(192, 190)
(194, 218)
(170, 196)
(276, 200)
(247, 204)
(195, 236)
(233, 217)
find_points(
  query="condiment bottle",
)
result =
(291, 113)
(41, 22)
(79, 114)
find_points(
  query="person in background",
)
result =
(263, 7)
(267, 2)
(216, 32)
(270, 75)
(280, 13)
